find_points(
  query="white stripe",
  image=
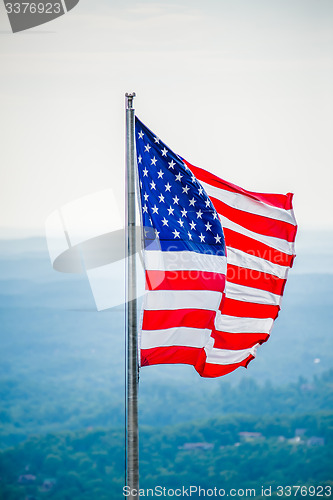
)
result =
(242, 259)
(234, 324)
(185, 261)
(249, 294)
(180, 336)
(182, 299)
(226, 357)
(248, 204)
(277, 243)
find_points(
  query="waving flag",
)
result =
(260, 231)
(212, 293)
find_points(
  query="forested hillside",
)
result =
(26, 411)
(240, 452)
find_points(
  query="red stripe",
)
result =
(188, 356)
(276, 200)
(212, 370)
(191, 318)
(170, 355)
(235, 341)
(185, 280)
(241, 309)
(257, 223)
(256, 248)
(255, 279)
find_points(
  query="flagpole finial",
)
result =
(129, 99)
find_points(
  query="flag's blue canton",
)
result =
(175, 208)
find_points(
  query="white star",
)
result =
(157, 233)
(199, 214)
(207, 203)
(192, 224)
(161, 197)
(184, 213)
(186, 189)
(147, 148)
(215, 216)
(141, 184)
(202, 238)
(208, 226)
(145, 172)
(176, 234)
(200, 190)
(156, 140)
(192, 202)
(175, 200)
(167, 187)
(153, 161)
(178, 177)
(171, 210)
(217, 238)
(155, 209)
(146, 196)
(171, 164)
(153, 185)
(165, 222)
(193, 179)
(160, 174)
(139, 159)
(164, 151)
(140, 135)
(189, 235)
(145, 209)
(180, 222)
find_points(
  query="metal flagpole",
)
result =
(132, 462)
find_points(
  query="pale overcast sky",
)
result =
(239, 87)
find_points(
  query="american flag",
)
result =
(212, 293)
